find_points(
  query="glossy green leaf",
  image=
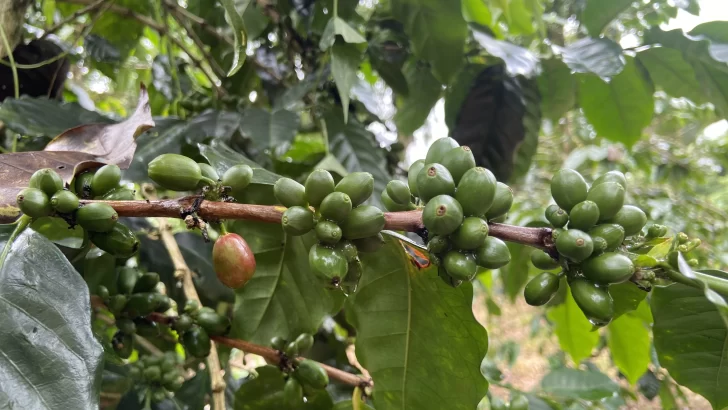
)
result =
(424, 91)
(265, 392)
(573, 329)
(621, 108)
(283, 298)
(629, 344)
(579, 384)
(515, 274)
(345, 60)
(239, 34)
(557, 87)
(598, 14)
(520, 18)
(411, 329)
(41, 117)
(49, 358)
(531, 127)
(222, 157)
(477, 11)
(691, 340)
(269, 129)
(338, 26)
(518, 60)
(437, 33)
(714, 81)
(58, 231)
(670, 71)
(600, 56)
(627, 297)
(357, 150)
(348, 405)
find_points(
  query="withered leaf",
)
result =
(73, 151)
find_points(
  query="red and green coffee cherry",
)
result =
(233, 260)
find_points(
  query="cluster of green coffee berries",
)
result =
(196, 325)
(160, 373)
(47, 196)
(459, 199)
(180, 173)
(590, 227)
(342, 223)
(303, 377)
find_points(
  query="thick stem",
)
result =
(410, 221)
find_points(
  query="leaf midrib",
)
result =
(407, 340)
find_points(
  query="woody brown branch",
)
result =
(410, 221)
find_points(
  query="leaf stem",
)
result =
(13, 67)
(22, 223)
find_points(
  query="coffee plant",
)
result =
(254, 205)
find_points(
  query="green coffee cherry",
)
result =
(97, 217)
(583, 215)
(141, 304)
(541, 289)
(612, 176)
(213, 323)
(363, 221)
(458, 161)
(33, 202)
(297, 220)
(608, 268)
(609, 197)
(277, 343)
(459, 266)
(392, 206)
(126, 280)
(291, 350)
(494, 254)
(328, 232)
(336, 207)
(358, 185)
(433, 180)
(476, 191)
(64, 202)
(310, 374)
(568, 188)
(146, 282)
(304, 342)
(105, 179)
(290, 193)
(442, 215)
(682, 237)
(208, 171)
(120, 241)
(183, 323)
(595, 302)
(575, 245)
(102, 292)
(197, 342)
(438, 244)
(399, 192)
(600, 245)
(613, 234)
(318, 185)
(82, 184)
(471, 234)
(119, 194)
(414, 171)
(501, 203)
(175, 172)
(163, 302)
(327, 263)
(556, 216)
(348, 249)
(656, 231)
(292, 393)
(238, 178)
(47, 180)
(191, 307)
(369, 244)
(542, 260)
(439, 148)
(126, 325)
(631, 218)
(116, 304)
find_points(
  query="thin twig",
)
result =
(198, 42)
(410, 221)
(183, 272)
(176, 8)
(78, 13)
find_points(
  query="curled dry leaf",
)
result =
(75, 150)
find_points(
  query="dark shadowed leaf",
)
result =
(345, 60)
(579, 384)
(515, 274)
(598, 14)
(691, 340)
(557, 87)
(600, 56)
(669, 71)
(357, 150)
(620, 108)
(388, 50)
(573, 329)
(437, 33)
(73, 151)
(101, 50)
(41, 117)
(424, 91)
(458, 90)
(416, 335)
(347, 405)
(499, 120)
(269, 129)
(222, 157)
(49, 358)
(518, 60)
